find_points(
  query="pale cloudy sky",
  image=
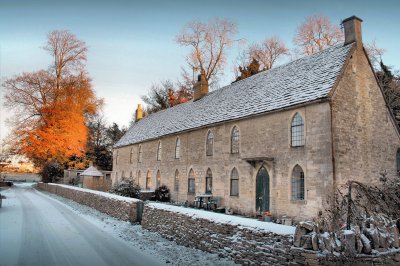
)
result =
(131, 43)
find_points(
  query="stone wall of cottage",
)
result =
(262, 136)
(250, 246)
(365, 138)
(124, 209)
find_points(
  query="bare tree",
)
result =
(268, 52)
(317, 33)
(374, 53)
(208, 42)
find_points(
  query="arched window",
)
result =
(130, 175)
(176, 185)
(209, 181)
(131, 156)
(138, 177)
(148, 180)
(140, 154)
(398, 160)
(116, 157)
(210, 144)
(297, 131)
(159, 151)
(178, 148)
(297, 183)
(235, 140)
(158, 179)
(191, 182)
(123, 175)
(234, 182)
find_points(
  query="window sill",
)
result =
(235, 196)
(191, 193)
(302, 202)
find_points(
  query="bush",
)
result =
(161, 194)
(126, 188)
(51, 172)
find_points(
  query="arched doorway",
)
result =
(262, 190)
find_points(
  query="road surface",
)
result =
(39, 230)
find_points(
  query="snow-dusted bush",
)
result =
(126, 188)
(51, 172)
(162, 194)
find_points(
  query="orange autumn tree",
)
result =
(51, 106)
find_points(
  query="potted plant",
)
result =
(267, 216)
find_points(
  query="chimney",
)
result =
(352, 31)
(139, 113)
(200, 88)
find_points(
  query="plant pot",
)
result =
(267, 218)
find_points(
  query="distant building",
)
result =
(90, 178)
(278, 141)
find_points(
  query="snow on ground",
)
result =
(228, 219)
(100, 193)
(148, 242)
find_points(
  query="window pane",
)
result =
(234, 187)
(176, 187)
(235, 140)
(297, 131)
(178, 149)
(298, 183)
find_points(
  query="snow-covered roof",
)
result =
(304, 80)
(92, 171)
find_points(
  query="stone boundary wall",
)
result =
(119, 207)
(247, 246)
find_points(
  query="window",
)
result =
(158, 179)
(130, 175)
(210, 144)
(191, 182)
(116, 157)
(234, 182)
(176, 185)
(148, 180)
(138, 177)
(116, 177)
(398, 160)
(297, 183)
(235, 140)
(178, 148)
(209, 181)
(297, 131)
(159, 151)
(123, 175)
(140, 154)
(131, 156)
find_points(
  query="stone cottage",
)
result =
(278, 141)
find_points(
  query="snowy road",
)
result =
(38, 230)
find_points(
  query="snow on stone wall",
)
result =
(244, 244)
(119, 207)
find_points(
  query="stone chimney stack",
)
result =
(200, 89)
(352, 31)
(139, 113)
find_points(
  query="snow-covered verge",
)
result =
(149, 242)
(119, 207)
(220, 218)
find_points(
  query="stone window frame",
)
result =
(234, 179)
(235, 140)
(297, 134)
(209, 183)
(191, 182)
(210, 143)
(177, 148)
(148, 180)
(140, 152)
(159, 150)
(131, 156)
(176, 180)
(298, 184)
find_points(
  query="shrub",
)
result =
(161, 194)
(126, 188)
(51, 172)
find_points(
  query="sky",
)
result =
(132, 43)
